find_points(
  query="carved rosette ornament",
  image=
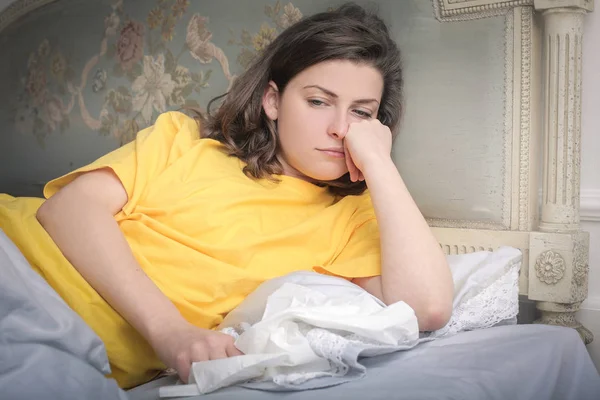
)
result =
(550, 267)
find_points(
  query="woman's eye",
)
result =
(363, 114)
(316, 102)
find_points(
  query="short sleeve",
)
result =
(360, 255)
(140, 161)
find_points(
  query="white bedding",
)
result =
(305, 325)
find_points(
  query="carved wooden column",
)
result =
(559, 253)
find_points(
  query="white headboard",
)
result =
(532, 202)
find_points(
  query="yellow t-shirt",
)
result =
(204, 232)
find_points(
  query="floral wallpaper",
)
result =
(79, 78)
(139, 70)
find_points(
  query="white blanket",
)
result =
(305, 325)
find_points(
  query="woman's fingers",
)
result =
(218, 353)
(352, 169)
(233, 351)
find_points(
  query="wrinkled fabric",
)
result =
(46, 349)
(304, 326)
(517, 362)
(285, 330)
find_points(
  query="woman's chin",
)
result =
(327, 177)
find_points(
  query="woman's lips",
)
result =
(333, 153)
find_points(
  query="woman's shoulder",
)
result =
(175, 122)
(182, 129)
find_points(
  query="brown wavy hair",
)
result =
(347, 33)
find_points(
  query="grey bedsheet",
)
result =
(533, 362)
(46, 350)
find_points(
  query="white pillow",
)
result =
(486, 289)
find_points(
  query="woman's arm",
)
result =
(80, 220)
(414, 268)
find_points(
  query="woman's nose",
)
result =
(339, 127)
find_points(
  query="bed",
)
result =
(490, 148)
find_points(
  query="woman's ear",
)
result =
(270, 101)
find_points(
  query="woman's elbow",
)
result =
(51, 211)
(436, 317)
(43, 212)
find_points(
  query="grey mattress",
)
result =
(536, 362)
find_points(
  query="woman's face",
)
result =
(314, 112)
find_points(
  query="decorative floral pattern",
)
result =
(165, 15)
(198, 39)
(44, 104)
(137, 71)
(253, 44)
(111, 24)
(179, 8)
(130, 46)
(152, 88)
(58, 65)
(550, 267)
(54, 114)
(290, 16)
(99, 81)
(264, 37)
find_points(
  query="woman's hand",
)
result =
(179, 345)
(366, 143)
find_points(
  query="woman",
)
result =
(154, 243)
